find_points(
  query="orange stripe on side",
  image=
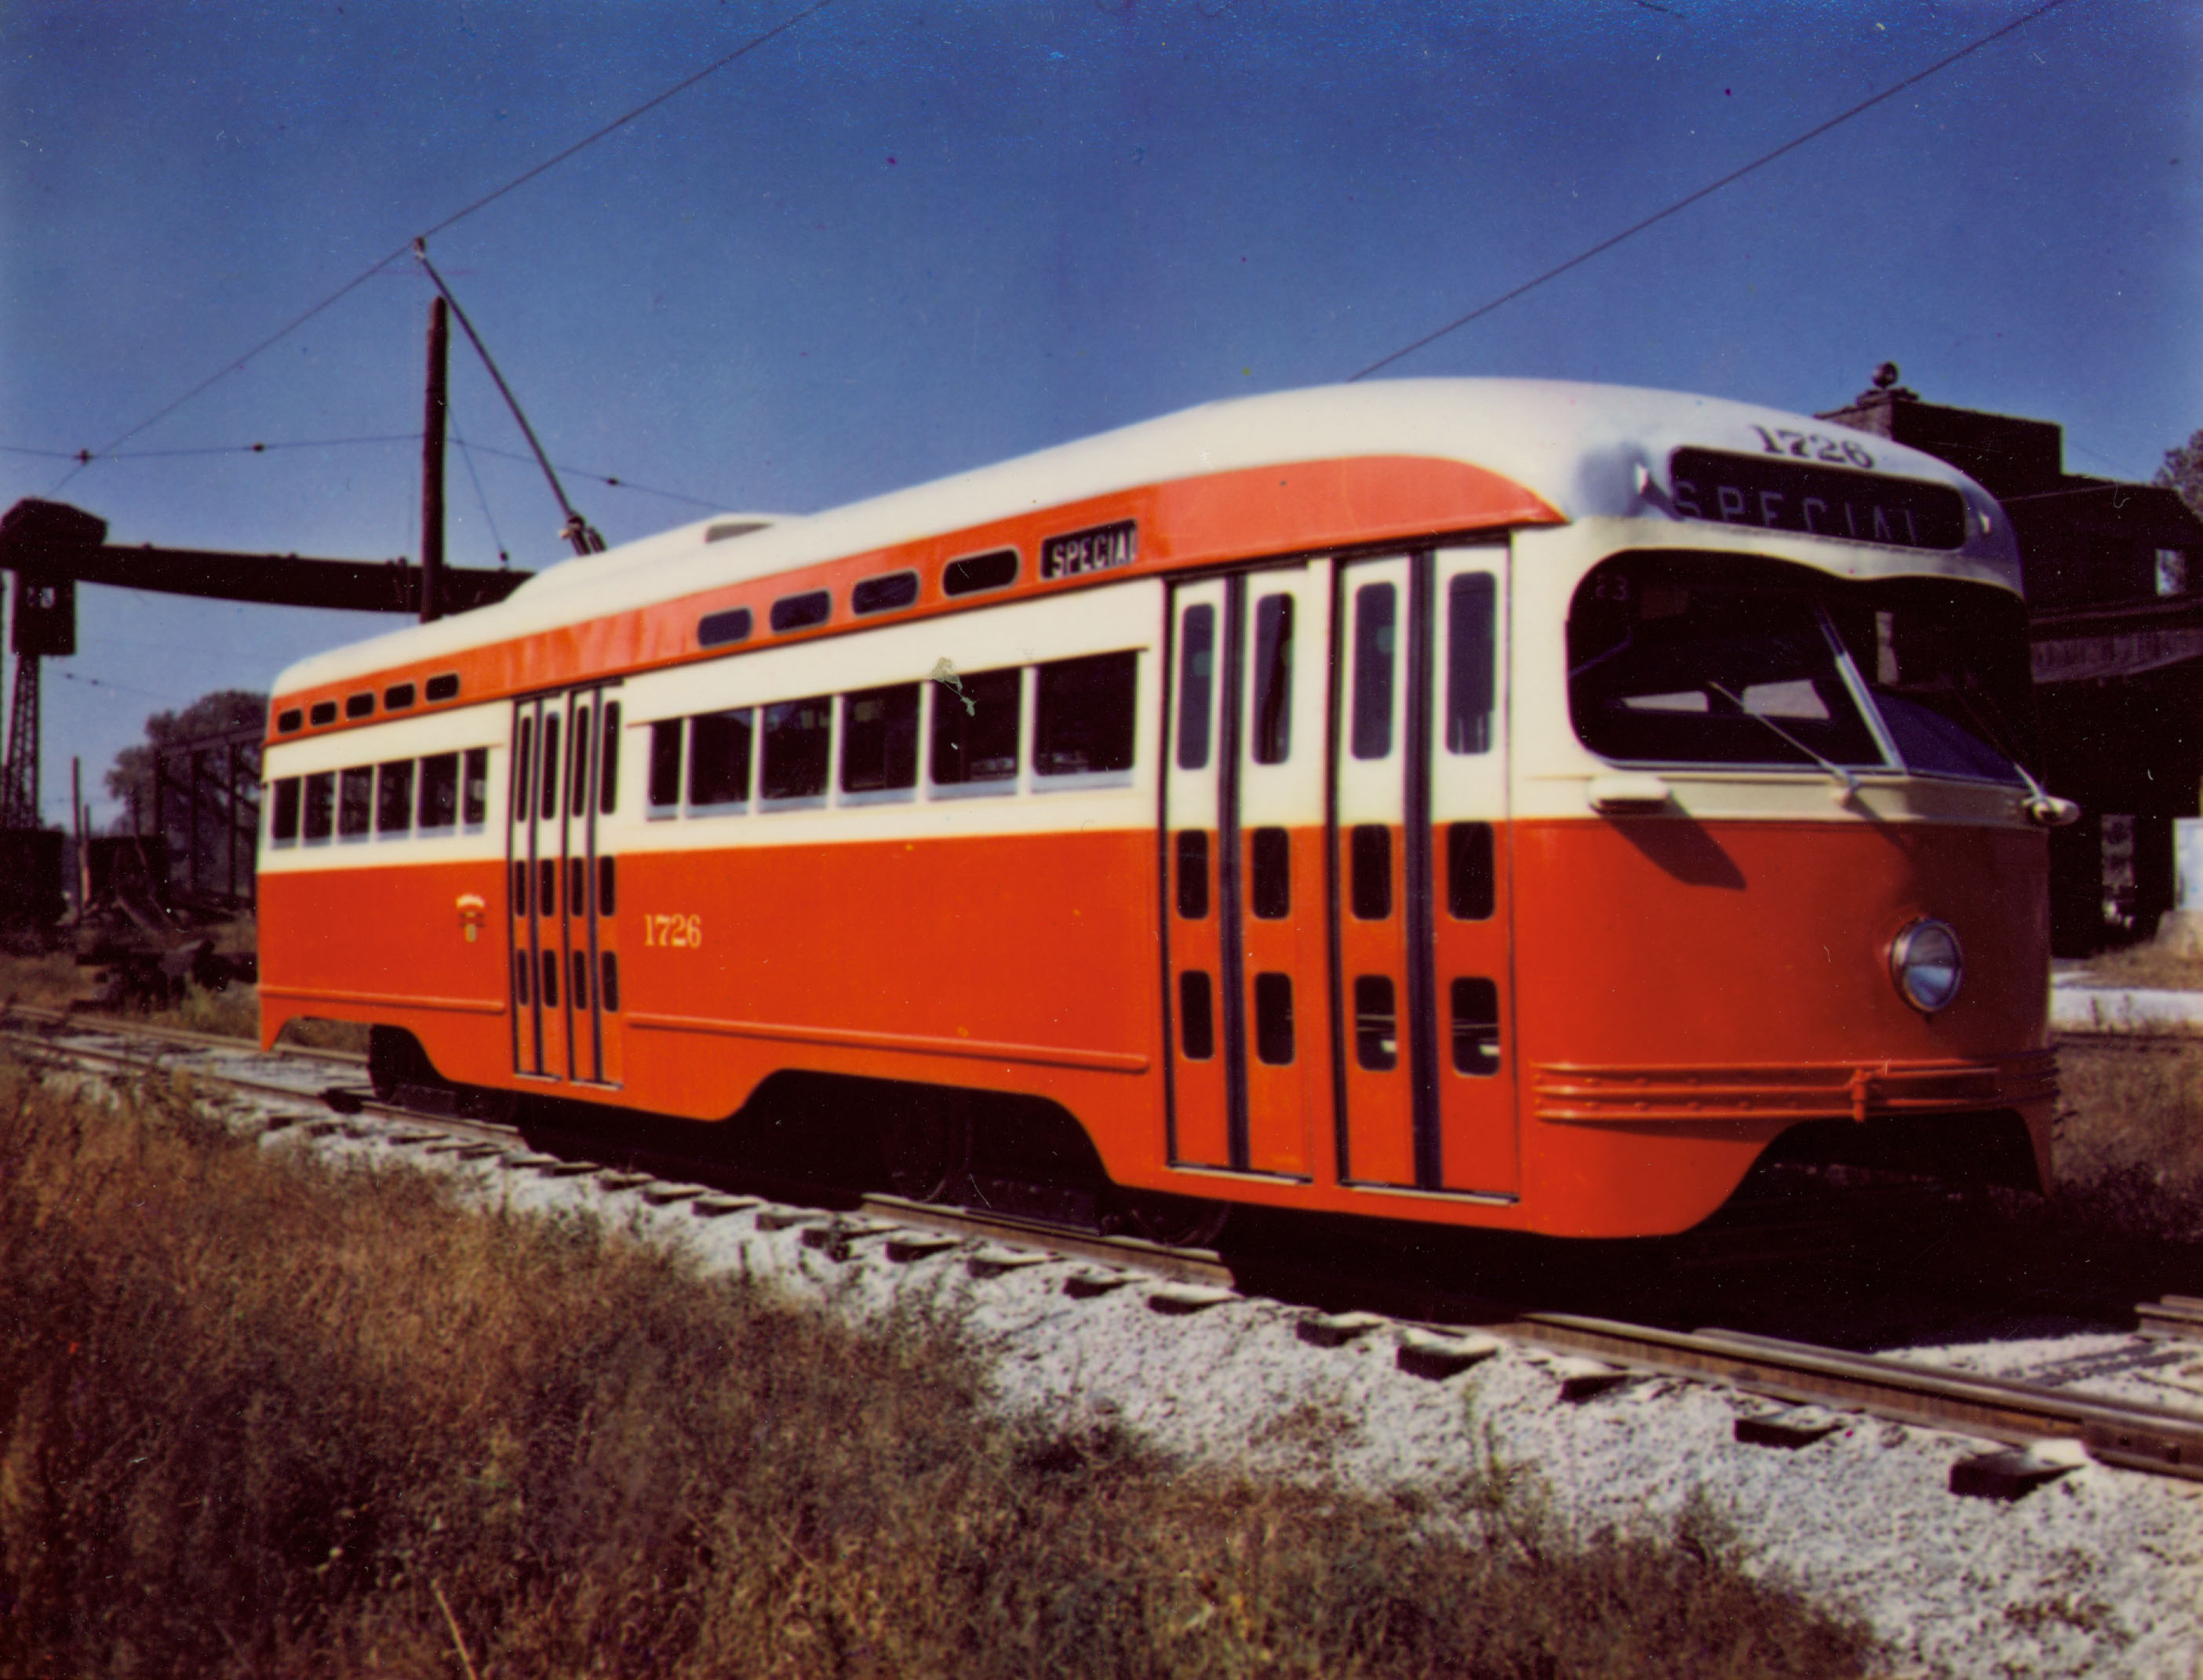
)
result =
(1041, 1055)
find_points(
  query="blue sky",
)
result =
(906, 238)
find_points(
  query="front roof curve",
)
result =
(1581, 449)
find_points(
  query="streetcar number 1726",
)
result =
(675, 930)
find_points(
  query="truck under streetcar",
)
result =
(1487, 802)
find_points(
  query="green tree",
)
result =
(2183, 471)
(239, 713)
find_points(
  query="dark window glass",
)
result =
(581, 992)
(797, 735)
(520, 967)
(325, 711)
(1197, 686)
(716, 629)
(1272, 860)
(800, 612)
(520, 888)
(550, 979)
(608, 751)
(718, 757)
(578, 780)
(547, 887)
(320, 806)
(393, 798)
(398, 696)
(477, 786)
(283, 819)
(879, 739)
(1196, 1017)
(608, 994)
(884, 594)
(444, 687)
(607, 887)
(548, 764)
(1083, 716)
(1471, 662)
(1273, 1018)
(355, 800)
(1375, 608)
(665, 763)
(440, 790)
(1369, 860)
(288, 722)
(1193, 872)
(974, 730)
(359, 705)
(1475, 1028)
(522, 763)
(1272, 721)
(1376, 1023)
(1469, 881)
(1946, 664)
(577, 887)
(980, 571)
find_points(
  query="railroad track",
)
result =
(2046, 1429)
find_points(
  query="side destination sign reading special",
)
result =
(1101, 548)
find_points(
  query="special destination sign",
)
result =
(1101, 549)
(1780, 495)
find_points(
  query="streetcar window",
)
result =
(550, 979)
(1708, 660)
(439, 792)
(355, 801)
(1947, 666)
(1273, 856)
(547, 889)
(288, 722)
(578, 780)
(1376, 1023)
(884, 594)
(608, 992)
(1370, 871)
(320, 806)
(1273, 1018)
(547, 765)
(607, 887)
(1376, 607)
(398, 697)
(1196, 1017)
(879, 739)
(719, 760)
(716, 629)
(283, 814)
(1193, 874)
(520, 965)
(664, 792)
(520, 888)
(1475, 1028)
(1470, 880)
(521, 762)
(359, 705)
(800, 612)
(578, 886)
(477, 787)
(393, 798)
(1471, 659)
(324, 711)
(444, 687)
(1272, 721)
(974, 730)
(798, 737)
(608, 750)
(581, 980)
(1197, 684)
(976, 572)
(1083, 715)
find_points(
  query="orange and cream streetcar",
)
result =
(1483, 802)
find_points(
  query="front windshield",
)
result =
(1678, 658)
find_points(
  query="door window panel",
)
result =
(1376, 611)
(1197, 686)
(1272, 724)
(1471, 661)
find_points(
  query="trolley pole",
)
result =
(431, 463)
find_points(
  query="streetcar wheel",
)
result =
(927, 1147)
(1174, 1221)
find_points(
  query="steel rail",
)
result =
(2129, 1434)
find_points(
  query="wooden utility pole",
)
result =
(432, 464)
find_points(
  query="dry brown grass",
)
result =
(264, 1416)
(2129, 1144)
(2145, 965)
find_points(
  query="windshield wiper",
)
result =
(1851, 783)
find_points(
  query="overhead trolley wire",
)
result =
(84, 458)
(1708, 191)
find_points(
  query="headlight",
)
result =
(1927, 965)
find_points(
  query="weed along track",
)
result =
(1846, 1473)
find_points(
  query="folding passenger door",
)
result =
(1426, 1083)
(564, 884)
(1243, 824)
